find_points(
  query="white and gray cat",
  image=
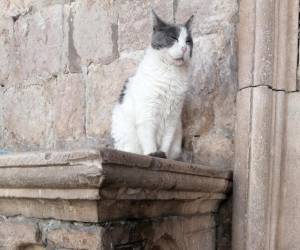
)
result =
(147, 118)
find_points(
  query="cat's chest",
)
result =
(167, 99)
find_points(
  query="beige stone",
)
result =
(240, 181)
(264, 56)
(69, 210)
(69, 107)
(39, 41)
(82, 238)
(15, 234)
(27, 114)
(102, 186)
(209, 111)
(93, 32)
(265, 126)
(210, 16)
(104, 84)
(289, 224)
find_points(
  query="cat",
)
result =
(147, 118)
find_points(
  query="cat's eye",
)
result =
(174, 38)
(189, 41)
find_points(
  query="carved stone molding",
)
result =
(266, 104)
(268, 41)
(174, 199)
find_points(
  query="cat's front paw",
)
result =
(159, 154)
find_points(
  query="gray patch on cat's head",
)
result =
(164, 35)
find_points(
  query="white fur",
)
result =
(149, 118)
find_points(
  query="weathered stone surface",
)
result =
(27, 114)
(104, 84)
(135, 23)
(105, 187)
(68, 210)
(170, 233)
(6, 49)
(69, 107)
(15, 234)
(39, 41)
(209, 112)
(210, 16)
(75, 238)
(289, 224)
(93, 32)
(254, 151)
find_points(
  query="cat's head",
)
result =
(174, 41)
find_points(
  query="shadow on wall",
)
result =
(63, 66)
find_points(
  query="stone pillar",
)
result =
(264, 214)
(107, 200)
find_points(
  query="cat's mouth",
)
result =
(179, 60)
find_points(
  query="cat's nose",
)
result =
(184, 49)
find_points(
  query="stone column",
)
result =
(102, 200)
(266, 123)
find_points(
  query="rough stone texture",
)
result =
(170, 233)
(93, 32)
(69, 108)
(39, 43)
(18, 233)
(290, 198)
(209, 114)
(266, 187)
(27, 114)
(92, 186)
(96, 200)
(78, 238)
(76, 55)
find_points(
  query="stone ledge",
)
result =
(105, 185)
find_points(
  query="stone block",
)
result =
(27, 115)
(93, 33)
(39, 41)
(69, 210)
(135, 23)
(104, 84)
(69, 107)
(75, 237)
(14, 234)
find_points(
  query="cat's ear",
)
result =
(189, 22)
(157, 22)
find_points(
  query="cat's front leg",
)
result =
(171, 143)
(146, 134)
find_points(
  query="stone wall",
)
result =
(64, 62)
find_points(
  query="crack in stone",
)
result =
(276, 90)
